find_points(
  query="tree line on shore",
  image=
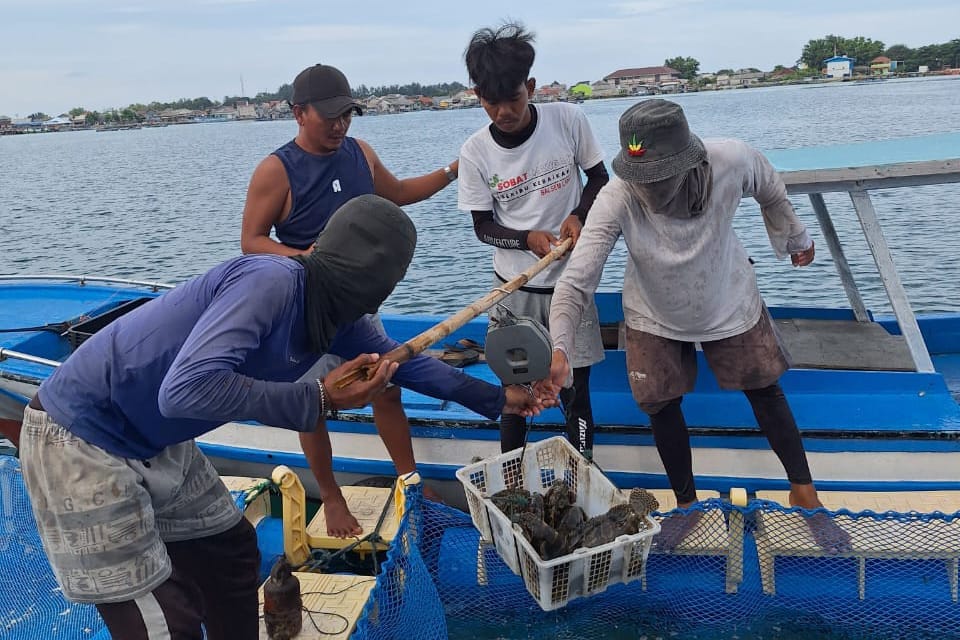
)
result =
(862, 49)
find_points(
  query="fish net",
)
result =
(759, 571)
(32, 606)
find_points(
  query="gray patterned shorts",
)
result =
(104, 519)
(661, 369)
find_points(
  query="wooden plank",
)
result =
(332, 605)
(891, 281)
(366, 504)
(887, 176)
(879, 501)
(843, 344)
(709, 537)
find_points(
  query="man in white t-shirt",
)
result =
(520, 179)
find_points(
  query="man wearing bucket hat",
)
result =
(296, 189)
(688, 281)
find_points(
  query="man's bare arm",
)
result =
(267, 198)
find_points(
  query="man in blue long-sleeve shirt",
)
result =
(133, 517)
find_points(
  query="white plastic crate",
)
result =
(553, 583)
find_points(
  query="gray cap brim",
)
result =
(337, 106)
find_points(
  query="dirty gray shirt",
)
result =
(686, 279)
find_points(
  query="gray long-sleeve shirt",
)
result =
(686, 278)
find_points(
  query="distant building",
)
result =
(745, 77)
(839, 67)
(643, 75)
(582, 90)
(604, 89)
(246, 111)
(550, 93)
(880, 66)
(640, 80)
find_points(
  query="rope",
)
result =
(528, 425)
(320, 559)
(56, 327)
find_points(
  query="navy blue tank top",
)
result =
(319, 185)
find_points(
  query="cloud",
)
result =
(647, 7)
(118, 29)
(360, 35)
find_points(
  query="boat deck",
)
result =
(843, 345)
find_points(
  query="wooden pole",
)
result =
(416, 345)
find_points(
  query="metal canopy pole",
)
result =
(836, 251)
(891, 281)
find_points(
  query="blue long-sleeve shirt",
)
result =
(227, 345)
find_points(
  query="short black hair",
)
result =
(499, 61)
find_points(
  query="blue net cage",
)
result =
(759, 571)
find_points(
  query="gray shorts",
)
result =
(587, 346)
(328, 361)
(104, 519)
(661, 369)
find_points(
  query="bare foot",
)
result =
(828, 534)
(674, 528)
(340, 522)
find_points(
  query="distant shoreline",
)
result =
(35, 128)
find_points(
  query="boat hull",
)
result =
(864, 429)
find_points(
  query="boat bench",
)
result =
(712, 536)
(787, 534)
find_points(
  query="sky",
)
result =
(59, 54)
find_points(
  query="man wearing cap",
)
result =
(689, 280)
(132, 515)
(296, 189)
(520, 181)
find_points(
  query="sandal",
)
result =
(460, 358)
(464, 344)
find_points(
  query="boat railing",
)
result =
(83, 280)
(857, 181)
(26, 357)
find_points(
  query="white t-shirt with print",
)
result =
(533, 186)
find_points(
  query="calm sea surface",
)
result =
(166, 203)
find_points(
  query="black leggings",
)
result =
(214, 583)
(577, 412)
(773, 415)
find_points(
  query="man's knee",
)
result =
(653, 408)
(388, 399)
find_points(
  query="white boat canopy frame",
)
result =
(859, 169)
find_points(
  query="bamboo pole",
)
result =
(416, 345)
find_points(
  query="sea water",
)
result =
(166, 203)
